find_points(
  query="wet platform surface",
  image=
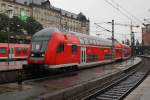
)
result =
(4, 66)
(32, 89)
(142, 92)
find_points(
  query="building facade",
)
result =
(46, 14)
(146, 35)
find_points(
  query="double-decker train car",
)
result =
(51, 48)
(126, 51)
(15, 51)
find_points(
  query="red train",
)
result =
(16, 51)
(54, 49)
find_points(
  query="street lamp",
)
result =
(10, 14)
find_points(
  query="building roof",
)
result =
(68, 14)
(30, 1)
(47, 4)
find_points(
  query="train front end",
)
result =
(39, 47)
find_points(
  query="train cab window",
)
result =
(74, 49)
(60, 47)
(2, 50)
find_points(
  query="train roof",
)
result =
(103, 42)
(14, 45)
(82, 37)
(46, 32)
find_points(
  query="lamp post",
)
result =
(113, 42)
(10, 14)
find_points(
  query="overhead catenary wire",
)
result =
(102, 27)
(117, 8)
(129, 13)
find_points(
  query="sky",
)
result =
(99, 11)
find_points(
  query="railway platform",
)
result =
(65, 87)
(13, 65)
(142, 92)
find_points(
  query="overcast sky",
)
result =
(99, 11)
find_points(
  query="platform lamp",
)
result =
(10, 15)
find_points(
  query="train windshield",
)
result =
(41, 39)
(39, 43)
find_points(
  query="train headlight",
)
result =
(32, 55)
(43, 55)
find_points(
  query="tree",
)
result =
(123, 42)
(4, 20)
(32, 26)
(137, 43)
(127, 42)
(16, 25)
(142, 43)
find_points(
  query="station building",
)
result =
(48, 15)
(146, 35)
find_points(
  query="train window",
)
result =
(2, 50)
(24, 50)
(40, 43)
(99, 42)
(18, 50)
(86, 40)
(81, 41)
(95, 42)
(91, 42)
(74, 49)
(60, 47)
(92, 57)
(108, 56)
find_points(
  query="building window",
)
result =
(65, 14)
(16, 11)
(3, 6)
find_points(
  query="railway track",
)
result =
(121, 87)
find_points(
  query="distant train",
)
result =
(15, 51)
(51, 48)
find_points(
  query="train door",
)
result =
(11, 52)
(83, 55)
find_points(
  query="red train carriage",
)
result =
(55, 49)
(126, 51)
(16, 51)
(118, 51)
